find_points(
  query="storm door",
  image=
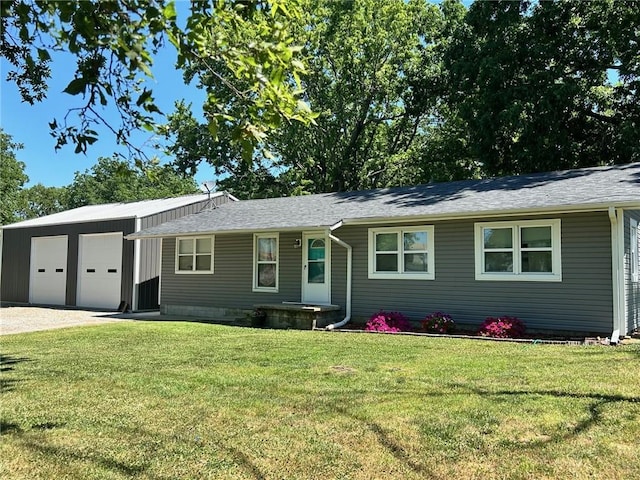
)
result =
(316, 268)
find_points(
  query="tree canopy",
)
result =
(12, 179)
(405, 91)
(110, 180)
(245, 45)
(113, 180)
(547, 85)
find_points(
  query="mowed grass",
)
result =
(163, 400)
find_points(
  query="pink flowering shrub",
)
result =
(502, 327)
(438, 322)
(388, 322)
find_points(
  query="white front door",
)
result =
(316, 268)
(48, 276)
(99, 270)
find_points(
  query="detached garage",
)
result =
(80, 257)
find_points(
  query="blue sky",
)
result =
(29, 124)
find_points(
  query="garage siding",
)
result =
(16, 264)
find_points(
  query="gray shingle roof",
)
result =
(591, 188)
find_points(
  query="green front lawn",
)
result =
(162, 400)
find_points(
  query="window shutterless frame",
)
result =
(266, 259)
(526, 250)
(194, 255)
(403, 253)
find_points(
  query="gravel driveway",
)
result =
(31, 319)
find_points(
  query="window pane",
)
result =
(386, 242)
(498, 238)
(185, 246)
(537, 262)
(315, 249)
(267, 275)
(185, 263)
(203, 245)
(267, 249)
(415, 241)
(532, 237)
(315, 273)
(415, 262)
(203, 262)
(386, 262)
(498, 262)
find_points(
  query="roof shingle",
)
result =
(590, 188)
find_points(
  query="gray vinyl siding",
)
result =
(632, 289)
(581, 302)
(230, 286)
(16, 257)
(149, 254)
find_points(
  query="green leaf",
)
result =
(169, 11)
(146, 95)
(76, 86)
(43, 55)
(213, 128)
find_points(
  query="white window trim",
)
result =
(400, 275)
(255, 286)
(194, 272)
(517, 275)
(634, 260)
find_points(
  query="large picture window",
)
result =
(525, 250)
(194, 255)
(403, 252)
(265, 262)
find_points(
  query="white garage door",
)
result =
(99, 270)
(48, 270)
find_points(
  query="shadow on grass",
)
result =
(595, 409)
(243, 460)
(7, 365)
(66, 453)
(387, 441)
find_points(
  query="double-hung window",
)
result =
(265, 262)
(194, 255)
(527, 250)
(401, 252)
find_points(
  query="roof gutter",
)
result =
(348, 300)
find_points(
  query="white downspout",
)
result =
(348, 300)
(615, 268)
(622, 291)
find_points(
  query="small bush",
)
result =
(388, 322)
(438, 322)
(502, 327)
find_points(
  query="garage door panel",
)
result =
(48, 270)
(100, 270)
